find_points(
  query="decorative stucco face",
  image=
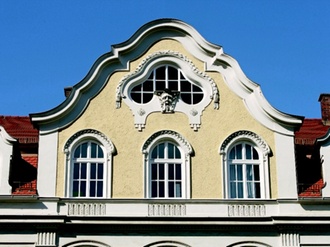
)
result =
(230, 103)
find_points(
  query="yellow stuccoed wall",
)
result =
(118, 125)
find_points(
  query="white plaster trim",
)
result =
(47, 164)
(178, 60)
(286, 167)
(6, 152)
(108, 148)
(122, 54)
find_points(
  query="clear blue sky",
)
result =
(47, 45)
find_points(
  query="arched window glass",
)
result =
(88, 170)
(166, 171)
(169, 78)
(244, 171)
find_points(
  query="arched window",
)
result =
(244, 171)
(88, 170)
(89, 157)
(167, 163)
(168, 82)
(166, 171)
(169, 78)
(245, 163)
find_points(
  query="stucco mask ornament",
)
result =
(168, 99)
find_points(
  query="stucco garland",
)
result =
(168, 133)
(110, 148)
(245, 134)
(140, 67)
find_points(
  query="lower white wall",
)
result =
(47, 164)
(286, 167)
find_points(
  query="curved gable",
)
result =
(118, 60)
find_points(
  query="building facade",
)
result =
(166, 142)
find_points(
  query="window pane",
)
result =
(239, 172)
(92, 188)
(100, 171)
(77, 152)
(83, 170)
(250, 190)
(161, 189)
(161, 148)
(76, 169)
(232, 153)
(240, 190)
(173, 85)
(84, 150)
(255, 154)
(160, 73)
(178, 171)
(137, 88)
(186, 98)
(75, 190)
(185, 86)
(148, 86)
(249, 172)
(172, 73)
(161, 171)
(170, 189)
(93, 171)
(99, 189)
(154, 153)
(147, 97)
(170, 171)
(170, 151)
(239, 151)
(233, 190)
(154, 189)
(232, 172)
(256, 172)
(160, 85)
(154, 171)
(248, 152)
(178, 192)
(99, 152)
(196, 89)
(136, 97)
(93, 150)
(197, 98)
(83, 188)
(257, 190)
(177, 153)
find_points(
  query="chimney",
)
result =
(325, 108)
(67, 91)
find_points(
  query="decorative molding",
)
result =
(242, 210)
(167, 133)
(158, 54)
(46, 239)
(110, 148)
(166, 210)
(290, 239)
(248, 135)
(86, 209)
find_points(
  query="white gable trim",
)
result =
(120, 56)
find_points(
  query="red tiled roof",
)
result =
(310, 130)
(20, 128)
(33, 160)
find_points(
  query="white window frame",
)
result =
(108, 151)
(191, 73)
(263, 151)
(186, 152)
